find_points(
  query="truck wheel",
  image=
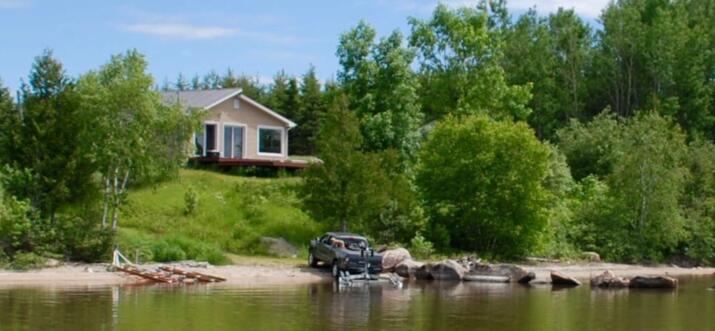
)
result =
(311, 260)
(336, 269)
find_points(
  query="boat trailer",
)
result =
(345, 279)
(163, 274)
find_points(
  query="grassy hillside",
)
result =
(231, 215)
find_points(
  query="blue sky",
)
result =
(193, 37)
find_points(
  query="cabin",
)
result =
(237, 130)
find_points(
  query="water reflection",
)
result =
(418, 306)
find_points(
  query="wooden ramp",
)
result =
(165, 274)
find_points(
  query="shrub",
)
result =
(482, 182)
(421, 247)
(191, 201)
(26, 261)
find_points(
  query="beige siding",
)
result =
(251, 117)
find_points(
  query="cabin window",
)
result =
(269, 140)
(210, 137)
(199, 143)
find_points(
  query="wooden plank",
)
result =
(147, 275)
(198, 276)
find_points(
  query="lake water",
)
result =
(418, 306)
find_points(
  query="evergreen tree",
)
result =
(312, 108)
(47, 141)
(181, 83)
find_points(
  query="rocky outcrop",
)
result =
(392, 257)
(591, 256)
(526, 278)
(448, 270)
(515, 273)
(609, 280)
(558, 278)
(408, 268)
(424, 272)
(653, 282)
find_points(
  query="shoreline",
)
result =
(277, 274)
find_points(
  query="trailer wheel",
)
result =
(311, 260)
(336, 269)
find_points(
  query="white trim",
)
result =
(245, 137)
(216, 139)
(229, 96)
(258, 139)
(290, 123)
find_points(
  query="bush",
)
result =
(420, 247)
(482, 182)
(164, 252)
(26, 261)
(191, 201)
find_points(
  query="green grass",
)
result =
(231, 216)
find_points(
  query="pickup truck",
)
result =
(344, 252)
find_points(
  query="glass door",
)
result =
(233, 141)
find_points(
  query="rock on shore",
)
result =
(558, 278)
(393, 257)
(609, 280)
(653, 282)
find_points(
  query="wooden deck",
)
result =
(231, 162)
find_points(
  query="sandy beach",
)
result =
(254, 273)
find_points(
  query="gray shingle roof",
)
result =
(208, 98)
(198, 99)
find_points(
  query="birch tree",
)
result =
(133, 136)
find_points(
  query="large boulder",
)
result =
(424, 272)
(609, 280)
(653, 282)
(514, 272)
(408, 268)
(278, 247)
(591, 256)
(392, 257)
(448, 270)
(558, 278)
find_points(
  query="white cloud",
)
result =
(10, 4)
(179, 30)
(191, 31)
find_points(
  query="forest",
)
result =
(478, 131)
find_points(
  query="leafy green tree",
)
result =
(647, 182)
(654, 55)
(43, 136)
(9, 121)
(131, 129)
(528, 58)
(698, 203)
(553, 54)
(460, 60)
(590, 148)
(357, 190)
(482, 184)
(382, 89)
